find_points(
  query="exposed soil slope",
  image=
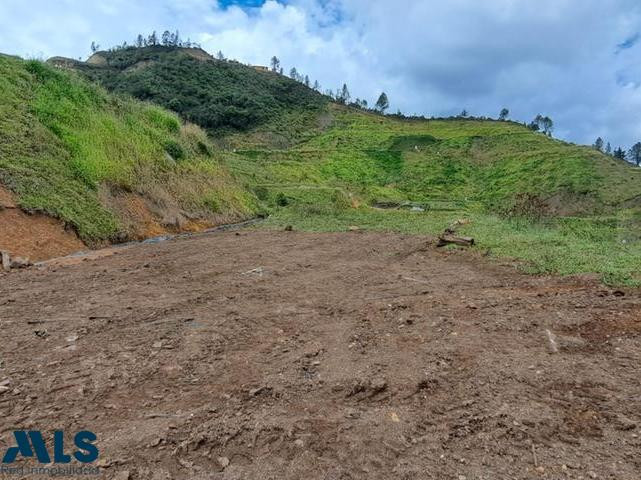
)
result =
(323, 356)
(36, 237)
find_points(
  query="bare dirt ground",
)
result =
(284, 355)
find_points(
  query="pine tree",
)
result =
(504, 114)
(608, 149)
(220, 55)
(293, 73)
(317, 86)
(166, 38)
(598, 144)
(275, 63)
(619, 153)
(635, 154)
(306, 81)
(382, 103)
(140, 42)
(344, 96)
(94, 47)
(153, 39)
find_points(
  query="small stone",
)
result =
(72, 338)
(540, 469)
(157, 345)
(4, 389)
(223, 462)
(299, 443)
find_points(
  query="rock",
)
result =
(72, 338)
(556, 343)
(4, 389)
(223, 462)
(157, 345)
(5, 259)
(353, 228)
(5, 383)
(19, 262)
(299, 443)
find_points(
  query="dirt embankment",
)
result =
(261, 355)
(37, 237)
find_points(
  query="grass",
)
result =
(459, 169)
(552, 206)
(65, 138)
(566, 246)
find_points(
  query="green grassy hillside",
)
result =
(78, 153)
(103, 163)
(557, 207)
(219, 96)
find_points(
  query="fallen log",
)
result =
(447, 239)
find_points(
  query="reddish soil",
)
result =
(36, 237)
(262, 355)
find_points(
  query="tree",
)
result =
(317, 86)
(534, 126)
(463, 114)
(166, 38)
(635, 154)
(220, 55)
(175, 39)
(343, 94)
(608, 149)
(153, 39)
(619, 153)
(382, 103)
(281, 71)
(504, 114)
(140, 42)
(275, 63)
(94, 47)
(548, 126)
(598, 144)
(306, 81)
(293, 73)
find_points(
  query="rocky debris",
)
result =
(5, 260)
(557, 343)
(9, 263)
(364, 389)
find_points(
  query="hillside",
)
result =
(109, 168)
(218, 95)
(556, 207)
(551, 206)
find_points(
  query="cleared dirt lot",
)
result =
(263, 355)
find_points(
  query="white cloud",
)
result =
(556, 57)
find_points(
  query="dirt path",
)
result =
(261, 355)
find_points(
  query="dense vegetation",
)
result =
(218, 95)
(68, 148)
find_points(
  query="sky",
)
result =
(573, 60)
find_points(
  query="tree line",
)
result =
(166, 39)
(341, 95)
(633, 155)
